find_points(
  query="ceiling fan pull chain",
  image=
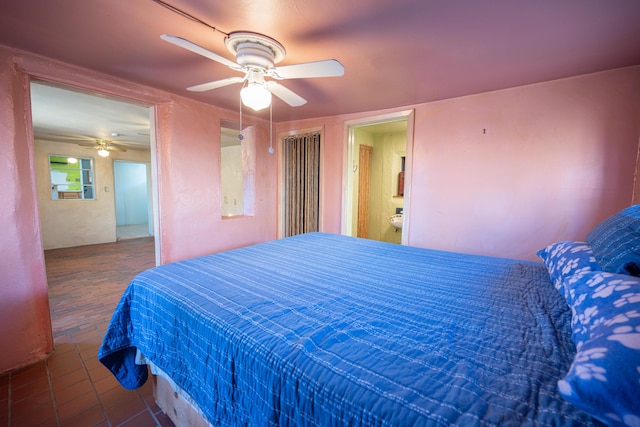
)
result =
(271, 128)
(240, 136)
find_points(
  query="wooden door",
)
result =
(363, 190)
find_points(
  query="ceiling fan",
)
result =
(256, 56)
(103, 146)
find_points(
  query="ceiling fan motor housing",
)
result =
(252, 55)
(253, 50)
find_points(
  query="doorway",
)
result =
(376, 191)
(132, 192)
(74, 124)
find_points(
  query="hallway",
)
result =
(71, 387)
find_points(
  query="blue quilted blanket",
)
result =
(329, 330)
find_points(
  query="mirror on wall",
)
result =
(231, 173)
(71, 178)
(237, 164)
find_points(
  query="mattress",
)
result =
(322, 329)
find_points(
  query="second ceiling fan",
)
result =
(256, 56)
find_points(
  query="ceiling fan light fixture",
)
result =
(255, 96)
(103, 153)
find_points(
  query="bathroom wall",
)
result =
(386, 162)
(388, 148)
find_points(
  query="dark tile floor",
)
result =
(71, 387)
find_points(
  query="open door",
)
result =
(134, 216)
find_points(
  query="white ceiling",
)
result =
(61, 114)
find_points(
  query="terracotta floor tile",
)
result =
(85, 285)
(126, 410)
(4, 392)
(80, 404)
(68, 394)
(92, 362)
(147, 389)
(38, 409)
(99, 373)
(26, 391)
(60, 365)
(164, 420)
(68, 380)
(92, 417)
(88, 350)
(151, 404)
(106, 384)
(144, 419)
(30, 373)
(4, 414)
(117, 395)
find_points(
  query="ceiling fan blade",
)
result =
(186, 44)
(285, 94)
(218, 83)
(88, 144)
(326, 68)
(59, 137)
(112, 147)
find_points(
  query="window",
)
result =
(71, 178)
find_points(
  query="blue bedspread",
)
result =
(321, 329)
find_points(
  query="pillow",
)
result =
(604, 378)
(616, 242)
(565, 259)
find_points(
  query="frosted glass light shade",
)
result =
(103, 153)
(255, 96)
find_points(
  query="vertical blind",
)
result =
(302, 183)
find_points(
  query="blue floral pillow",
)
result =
(616, 242)
(604, 379)
(565, 259)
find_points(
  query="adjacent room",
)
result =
(403, 210)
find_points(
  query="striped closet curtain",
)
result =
(301, 171)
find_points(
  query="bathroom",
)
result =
(379, 153)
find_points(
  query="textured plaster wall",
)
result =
(25, 327)
(66, 223)
(501, 173)
(507, 172)
(186, 174)
(388, 148)
(511, 171)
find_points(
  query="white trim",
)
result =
(347, 176)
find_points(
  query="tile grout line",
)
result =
(53, 395)
(93, 387)
(9, 401)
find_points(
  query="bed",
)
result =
(329, 330)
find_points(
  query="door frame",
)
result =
(149, 192)
(349, 161)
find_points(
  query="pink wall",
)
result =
(188, 160)
(556, 158)
(188, 156)
(505, 173)
(25, 328)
